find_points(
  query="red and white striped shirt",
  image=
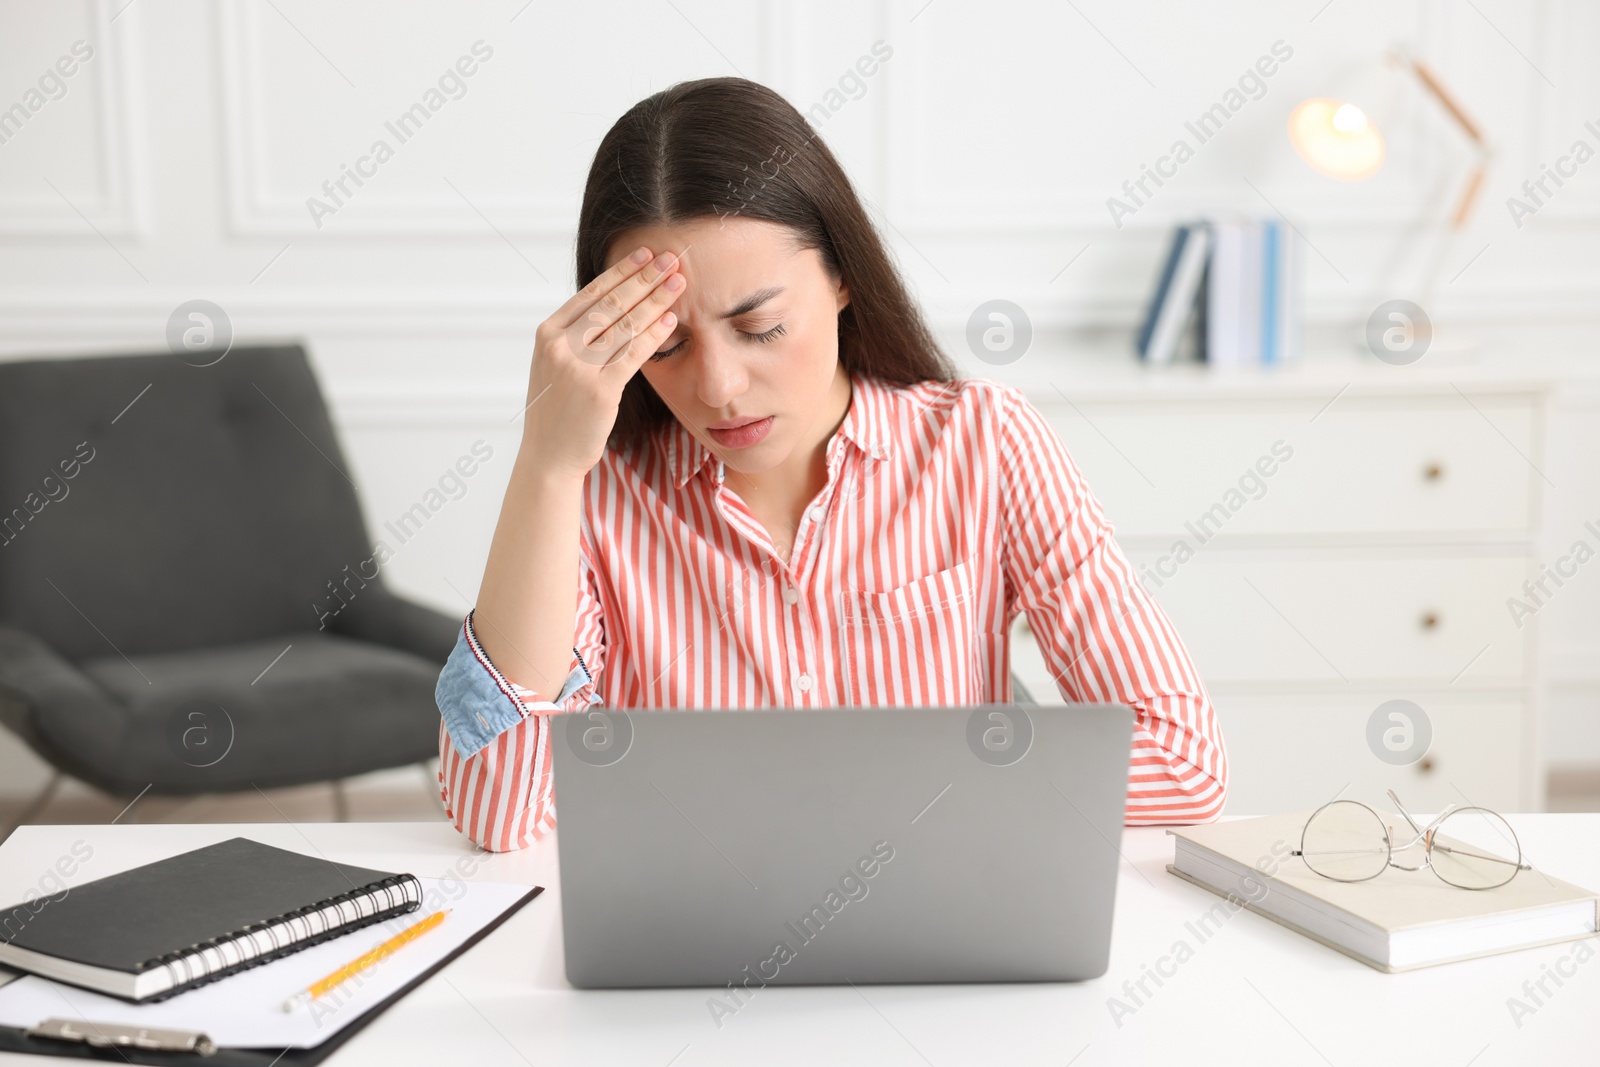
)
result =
(949, 507)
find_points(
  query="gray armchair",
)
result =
(185, 600)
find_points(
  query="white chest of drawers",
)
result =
(1327, 537)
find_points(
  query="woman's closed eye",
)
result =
(764, 337)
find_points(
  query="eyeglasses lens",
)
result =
(1346, 841)
(1474, 848)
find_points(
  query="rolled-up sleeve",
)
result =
(494, 753)
(1101, 634)
(478, 703)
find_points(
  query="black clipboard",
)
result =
(13, 1039)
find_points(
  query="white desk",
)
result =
(1252, 992)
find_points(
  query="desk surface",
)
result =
(1251, 991)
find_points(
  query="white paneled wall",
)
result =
(187, 158)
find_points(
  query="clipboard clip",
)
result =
(111, 1035)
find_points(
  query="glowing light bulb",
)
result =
(1349, 119)
(1336, 138)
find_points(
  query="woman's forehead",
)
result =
(712, 248)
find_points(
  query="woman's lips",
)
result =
(743, 436)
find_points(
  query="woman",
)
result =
(868, 539)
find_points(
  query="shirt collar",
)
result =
(868, 425)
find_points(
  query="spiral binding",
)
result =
(207, 961)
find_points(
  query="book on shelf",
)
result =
(1176, 296)
(1232, 285)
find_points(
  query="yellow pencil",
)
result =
(361, 963)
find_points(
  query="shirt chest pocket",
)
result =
(914, 645)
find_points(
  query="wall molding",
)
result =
(253, 209)
(1562, 49)
(1083, 207)
(119, 208)
(256, 210)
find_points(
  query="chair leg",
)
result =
(36, 806)
(341, 802)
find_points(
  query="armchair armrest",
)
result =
(44, 699)
(379, 616)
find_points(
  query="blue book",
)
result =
(1153, 312)
(1174, 301)
(1270, 293)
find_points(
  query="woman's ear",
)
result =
(843, 299)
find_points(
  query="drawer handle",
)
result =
(1430, 620)
(1433, 472)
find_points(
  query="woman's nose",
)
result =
(722, 375)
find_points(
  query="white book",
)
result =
(1291, 283)
(1222, 295)
(1398, 921)
(1252, 235)
(1180, 295)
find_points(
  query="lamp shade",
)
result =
(1336, 138)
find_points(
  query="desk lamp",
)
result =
(1343, 138)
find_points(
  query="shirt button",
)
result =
(804, 682)
(791, 595)
(817, 513)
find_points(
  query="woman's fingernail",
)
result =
(640, 256)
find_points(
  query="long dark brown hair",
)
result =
(717, 147)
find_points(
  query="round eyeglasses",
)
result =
(1469, 847)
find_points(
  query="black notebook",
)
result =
(156, 930)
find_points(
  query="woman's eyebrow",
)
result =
(753, 301)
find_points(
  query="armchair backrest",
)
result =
(147, 505)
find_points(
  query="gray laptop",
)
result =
(759, 847)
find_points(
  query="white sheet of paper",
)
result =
(245, 1010)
